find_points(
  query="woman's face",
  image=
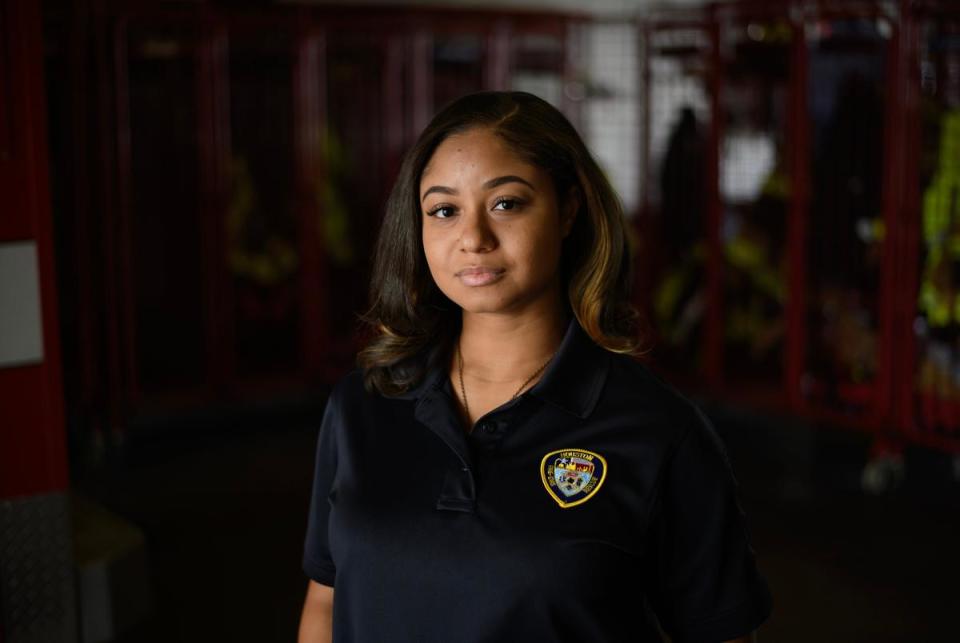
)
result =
(492, 227)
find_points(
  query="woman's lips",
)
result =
(479, 276)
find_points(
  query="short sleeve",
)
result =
(317, 561)
(704, 583)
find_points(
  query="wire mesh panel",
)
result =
(937, 319)
(678, 112)
(165, 205)
(538, 65)
(833, 259)
(754, 192)
(528, 54)
(458, 66)
(356, 177)
(37, 594)
(610, 93)
(261, 221)
(846, 230)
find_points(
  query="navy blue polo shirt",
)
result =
(571, 513)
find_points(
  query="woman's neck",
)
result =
(500, 348)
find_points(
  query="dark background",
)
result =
(217, 173)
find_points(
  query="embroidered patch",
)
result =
(572, 476)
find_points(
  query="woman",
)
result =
(500, 469)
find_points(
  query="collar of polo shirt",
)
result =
(573, 381)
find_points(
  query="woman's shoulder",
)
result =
(633, 386)
(350, 383)
(354, 388)
(639, 381)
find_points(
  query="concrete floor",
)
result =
(223, 512)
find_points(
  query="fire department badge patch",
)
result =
(572, 476)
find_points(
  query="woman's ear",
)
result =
(568, 214)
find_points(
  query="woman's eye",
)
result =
(506, 204)
(441, 212)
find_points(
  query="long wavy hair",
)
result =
(413, 323)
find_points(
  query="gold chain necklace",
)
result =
(463, 389)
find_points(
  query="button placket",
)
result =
(459, 490)
(458, 493)
(487, 426)
(488, 434)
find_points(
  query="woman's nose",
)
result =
(476, 235)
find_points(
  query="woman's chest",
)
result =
(551, 508)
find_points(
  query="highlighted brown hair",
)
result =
(414, 323)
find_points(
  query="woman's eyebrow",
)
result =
(489, 185)
(509, 178)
